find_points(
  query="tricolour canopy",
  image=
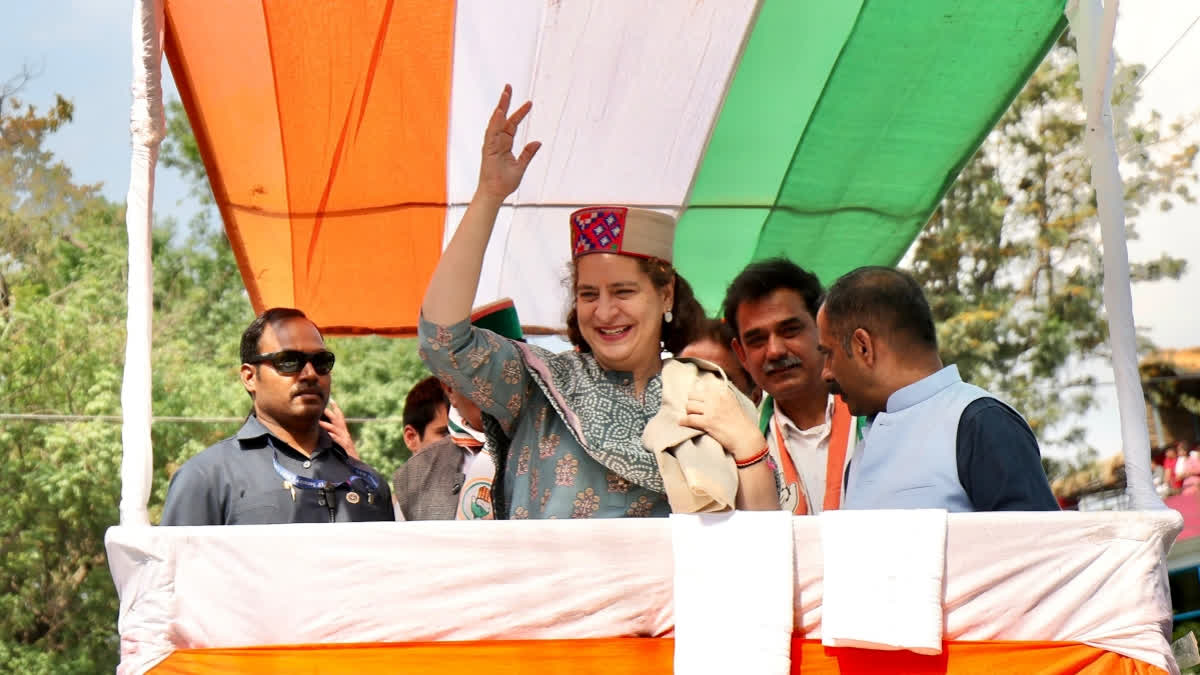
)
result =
(342, 138)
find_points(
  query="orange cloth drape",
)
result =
(323, 128)
(639, 656)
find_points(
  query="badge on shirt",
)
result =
(475, 501)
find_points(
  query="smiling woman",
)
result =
(615, 295)
(595, 432)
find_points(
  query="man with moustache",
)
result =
(934, 441)
(281, 466)
(771, 309)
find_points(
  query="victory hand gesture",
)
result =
(499, 171)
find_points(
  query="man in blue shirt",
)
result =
(281, 466)
(934, 441)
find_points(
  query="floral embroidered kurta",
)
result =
(570, 432)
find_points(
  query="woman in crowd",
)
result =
(568, 428)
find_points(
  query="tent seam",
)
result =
(287, 183)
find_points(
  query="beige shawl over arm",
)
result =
(700, 477)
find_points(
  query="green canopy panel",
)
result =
(838, 161)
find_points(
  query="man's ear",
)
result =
(411, 438)
(249, 375)
(863, 346)
(740, 352)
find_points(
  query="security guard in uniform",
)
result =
(281, 466)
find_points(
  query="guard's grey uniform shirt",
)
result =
(235, 483)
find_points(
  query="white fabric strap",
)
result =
(1094, 26)
(734, 581)
(903, 594)
(147, 128)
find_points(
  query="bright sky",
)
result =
(81, 49)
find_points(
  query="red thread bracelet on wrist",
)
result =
(753, 460)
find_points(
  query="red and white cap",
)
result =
(618, 229)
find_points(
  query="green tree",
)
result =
(61, 257)
(62, 330)
(1011, 258)
(181, 152)
(62, 326)
(374, 375)
(39, 200)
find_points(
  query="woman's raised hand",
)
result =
(499, 171)
(451, 290)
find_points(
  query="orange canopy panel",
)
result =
(323, 128)
(642, 656)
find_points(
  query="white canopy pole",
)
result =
(1094, 26)
(147, 128)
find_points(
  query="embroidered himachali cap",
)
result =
(617, 229)
(500, 317)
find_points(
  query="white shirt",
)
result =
(809, 450)
(469, 457)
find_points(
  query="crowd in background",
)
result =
(1176, 468)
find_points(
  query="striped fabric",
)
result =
(342, 138)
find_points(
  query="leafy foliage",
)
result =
(61, 255)
(180, 151)
(62, 331)
(1011, 258)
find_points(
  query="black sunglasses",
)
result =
(292, 361)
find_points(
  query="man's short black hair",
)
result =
(253, 333)
(422, 403)
(884, 301)
(763, 278)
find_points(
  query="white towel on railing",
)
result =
(884, 574)
(734, 581)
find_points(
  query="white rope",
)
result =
(1168, 52)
